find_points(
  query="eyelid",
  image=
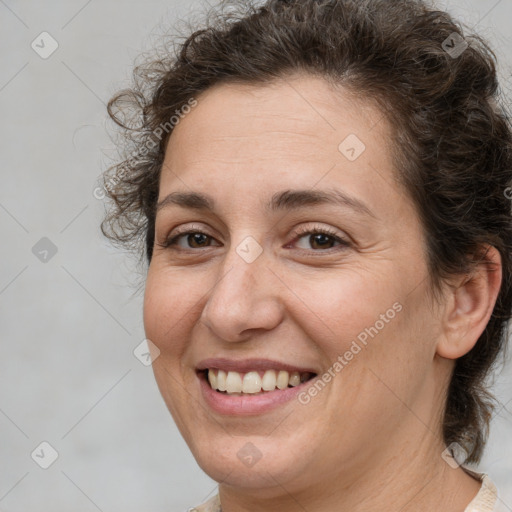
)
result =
(342, 240)
(317, 228)
(187, 229)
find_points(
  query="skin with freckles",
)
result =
(370, 440)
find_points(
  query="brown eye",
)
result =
(193, 240)
(197, 239)
(320, 238)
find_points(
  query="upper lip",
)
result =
(246, 365)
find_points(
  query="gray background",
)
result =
(68, 375)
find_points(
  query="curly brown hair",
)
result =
(438, 87)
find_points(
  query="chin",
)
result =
(241, 462)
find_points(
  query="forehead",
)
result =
(301, 110)
(294, 131)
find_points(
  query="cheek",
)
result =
(346, 305)
(169, 309)
(168, 319)
(366, 328)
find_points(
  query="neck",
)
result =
(411, 478)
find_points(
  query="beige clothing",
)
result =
(487, 498)
(212, 505)
(485, 501)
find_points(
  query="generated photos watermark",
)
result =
(344, 359)
(101, 192)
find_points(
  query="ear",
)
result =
(469, 305)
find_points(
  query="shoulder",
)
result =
(487, 498)
(212, 505)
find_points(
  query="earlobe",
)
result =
(470, 305)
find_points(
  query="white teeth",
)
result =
(252, 382)
(221, 380)
(269, 380)
(234, 382)
(294, 379)
(282, 379)
(212, 379)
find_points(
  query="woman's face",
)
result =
(261, 280)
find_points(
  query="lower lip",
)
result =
(247, 405)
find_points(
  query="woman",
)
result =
(320, 188)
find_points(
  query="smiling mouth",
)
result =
(253, 382)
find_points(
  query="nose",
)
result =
(244, 299)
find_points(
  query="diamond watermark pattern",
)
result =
(454, 455)
(249, 249)
(352, 147)
(146, 352)
(249, 454)
(454, 45)
(44, 45)
(44, 250)
(44, 455)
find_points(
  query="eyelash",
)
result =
(170, 242)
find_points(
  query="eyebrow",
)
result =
(285, 200)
